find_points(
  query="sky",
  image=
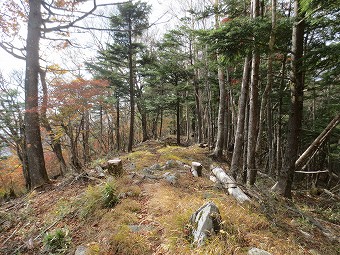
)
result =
(158, 16)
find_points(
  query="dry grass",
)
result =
(165, 208)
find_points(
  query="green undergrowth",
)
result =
(97, 197)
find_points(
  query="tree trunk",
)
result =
(73, 146)
(187, 116)
(85, 137)
(35, 153)
(178, 123)
(265, 102)
(253, 109)
(55, 142)
(285, 180)
(142, 112)
(22, 154)
(235, 167)
(218, 152)
(118, 142)
(161, 125)
(131, 90)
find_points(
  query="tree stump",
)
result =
(115, 167)
(196, 169)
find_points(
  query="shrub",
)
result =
(109, 195)
(58, 241)
(95, 198)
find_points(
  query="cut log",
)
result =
(196, 169)
(230, 185)
(115, 167)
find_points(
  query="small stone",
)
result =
(122, 195)
(170, 163)
(140, 228)
(98, 169)
(314, 252)
(256, 251)
(172, 179)
(147, 171)
(305, 234)
(155, 167)
(180, 163)
(30, 244)
(81, 250)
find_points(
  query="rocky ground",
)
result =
(147, 211)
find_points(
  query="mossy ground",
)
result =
(164, 208)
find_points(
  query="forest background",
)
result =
(254, 81)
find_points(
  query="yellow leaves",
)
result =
(11, 15)
(56, 69)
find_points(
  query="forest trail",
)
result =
(152, 214)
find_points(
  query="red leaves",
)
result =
(225, 20)
(79, 94)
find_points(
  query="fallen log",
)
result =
(230, 185)
(316, 144)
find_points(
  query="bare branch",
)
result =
(86, 14)
(10, 50)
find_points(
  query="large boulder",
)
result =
(206, 221)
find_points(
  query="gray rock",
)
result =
(170, 163)
(179, 163)
(99, 169)
(81, 250)
(306, 234)
(256, 251)
(205, 222)
(131, 166)
(140, 228)
(314, 252)
(155, 167)
(170, 178)
(147, 171)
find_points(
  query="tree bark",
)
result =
(253, 109)
(178, 121)
(142, 112)
(35, 153)
(218, 151)
(85, 137)
(285, 179)
(55, 142)
(131, 90)
(118, 142)
(236, 164)
(266, 102)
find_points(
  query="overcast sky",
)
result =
(159, 8)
